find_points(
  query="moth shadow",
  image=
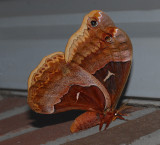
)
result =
(42, 120)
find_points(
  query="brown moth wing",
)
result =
(56, 86)
(46, 63)
(114, 76)
(92, 47)
(116, 71)
(103, 50)
(84, 41)
(116, 47)
(83, 98)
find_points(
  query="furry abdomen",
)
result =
(84, 121)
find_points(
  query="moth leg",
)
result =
(108, 123)
(109, 117)
(120, 115)
(100, 126)
(101, 121)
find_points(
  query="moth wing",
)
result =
(104, 51)
(56, 86)
(114, 77)
(114, 74)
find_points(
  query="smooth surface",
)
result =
(30, 30)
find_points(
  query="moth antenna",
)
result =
(124, 106)
(122, 118)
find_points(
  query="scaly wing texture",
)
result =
(81, 39)
(114, 76)
(103, 50)
(89, 76)
(56, 86)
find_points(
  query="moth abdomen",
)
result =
(84, 121)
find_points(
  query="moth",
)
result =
(89, 76)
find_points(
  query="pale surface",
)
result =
(30, 30)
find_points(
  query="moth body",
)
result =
(89, 76)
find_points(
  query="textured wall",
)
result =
(32, 29)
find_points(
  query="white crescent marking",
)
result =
(77, 97)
